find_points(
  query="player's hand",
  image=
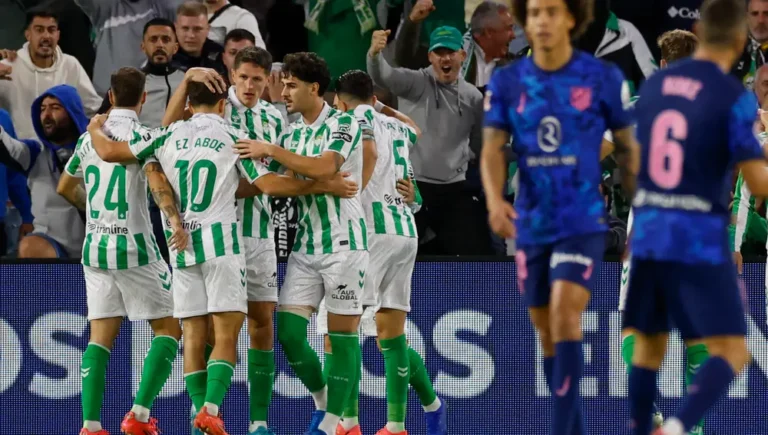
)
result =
(763, 118)
(275, 87)
(421, 10)
(500, 217)
(209, 77)
(378, 42)
(5, 71)
(340, 185)
(739, 261)
(25, 229)
(405, 188)
(178, 239)
(97, 122)
(9, 55)
(252, 149)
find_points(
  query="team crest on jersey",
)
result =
(581, 97)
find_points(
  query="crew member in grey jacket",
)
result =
(159, 46)
(450, 113)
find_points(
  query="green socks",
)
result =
(93, 372)
(420, 379)
(197, 383)
(696, 356)
(396, 367)
(627, 350)
(261, 376)
(292, 334)
(352, 407)
(342, 372)
(158, 365)
(219, 378)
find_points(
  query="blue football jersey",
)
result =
(556, 120)
(694, 124)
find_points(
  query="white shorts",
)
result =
(141, 293)
(388, 282)
(215, 286)
(339, 277)
(261, 266)
(625, 269)
(367, 321)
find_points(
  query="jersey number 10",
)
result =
(188, 201)
(665, 158)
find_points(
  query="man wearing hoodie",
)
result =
(450, 113)
(59, 119)
(39, 65)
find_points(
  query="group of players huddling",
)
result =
(356, 243)
(349, 169)
(695, 125)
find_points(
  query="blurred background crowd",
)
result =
(46, 43)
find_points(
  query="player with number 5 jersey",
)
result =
(124, 272)
(695, 124)
(555, 106)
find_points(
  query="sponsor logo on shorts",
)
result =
(558, 259)
(272, 280)
(342, 294)
(243, 280)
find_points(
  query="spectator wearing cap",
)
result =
(159, 46)
(195, 49)
(119, 26)
(224, 17)
(235, 41)
(450, 113)
(486, 42)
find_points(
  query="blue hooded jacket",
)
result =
(13, 184)
(72, 103)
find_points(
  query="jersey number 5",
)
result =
(665, 158)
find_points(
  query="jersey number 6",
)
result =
(665, 158)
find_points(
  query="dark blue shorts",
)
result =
(702, 300)
(60, 251)
(575, 259)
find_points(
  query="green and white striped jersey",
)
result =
(385, 207)
(326, 223)
(743, 207)
(261, 122)
(199, 161)
(118, 227)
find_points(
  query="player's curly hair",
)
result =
(677, 44)
(309, 68)
(582, 11)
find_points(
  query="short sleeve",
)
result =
(252, 170)
(364, 116)
(616, 100)
(344, 136)
(144, 145)
(74, 166)
(742, 141)
(495, 105)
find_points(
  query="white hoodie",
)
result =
(28, 82)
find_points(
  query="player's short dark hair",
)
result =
(256, 56)
(200, 95)
(309, 68)
(582, 11)
(677, 44)
(238, 35)
(162, 22)
(127, 86)
(356, 84)
(722, 20)
(191, 9)
(485, 14)
(41, 13)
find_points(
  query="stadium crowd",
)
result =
(57, 70)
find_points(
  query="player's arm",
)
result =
(400, 116)
(370, 153)
(284, 186)
(71, 189)
(321, 167)
(627, 154)
(176, 108)
(163, 195)
(109, 150)
(16, 154)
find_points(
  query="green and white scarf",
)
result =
(363, 11)
(469, 47)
